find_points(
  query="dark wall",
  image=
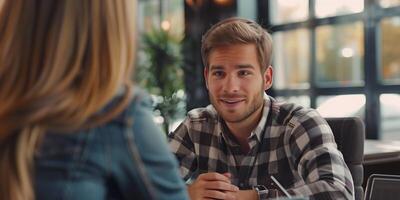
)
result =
(198, 19)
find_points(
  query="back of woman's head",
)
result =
(60, 63)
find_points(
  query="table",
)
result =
(381, 151)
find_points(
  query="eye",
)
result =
(244, 73)
(218, 73)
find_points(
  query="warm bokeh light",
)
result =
(165, 25)
(223, 2)
(347, 52)
(194, 3)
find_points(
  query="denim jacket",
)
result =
(127, 158)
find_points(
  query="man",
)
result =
(245, 136)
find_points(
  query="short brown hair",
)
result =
(238, 31)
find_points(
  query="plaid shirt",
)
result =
(291, 143)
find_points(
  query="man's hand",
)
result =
(212, 186)
(247, 195)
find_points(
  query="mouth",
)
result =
(232, 101)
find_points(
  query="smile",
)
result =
(232, 101)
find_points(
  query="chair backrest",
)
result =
(383, 186)
(349, 135)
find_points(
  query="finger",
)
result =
(220, 185)
(227, 174)
(214, 176)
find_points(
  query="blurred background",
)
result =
(341, 57)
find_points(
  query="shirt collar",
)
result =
(258, 131)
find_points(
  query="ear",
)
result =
(268, 78)
(205, 73)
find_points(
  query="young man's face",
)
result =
(235, 81)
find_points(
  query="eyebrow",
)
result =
(244, 66)
(240, 66)
(216, 67)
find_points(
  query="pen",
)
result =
(281, 187)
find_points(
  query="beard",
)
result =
(250, 107)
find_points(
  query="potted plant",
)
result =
(160, 72)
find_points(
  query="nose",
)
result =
(231, 84)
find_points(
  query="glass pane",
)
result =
(389, 3)
(299, 100)
(174, 17)
(247, 9)
(291, 59)
(340, 51)
(326, 8)
(341, 105)
(390, 116)
(148, 15)
(288, 11)
(390, 70)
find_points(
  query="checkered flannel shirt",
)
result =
(293, 144)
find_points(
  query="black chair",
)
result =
(383, 186)
(349, 135)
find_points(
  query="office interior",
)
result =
(339, 57)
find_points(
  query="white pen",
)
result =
(281, 187)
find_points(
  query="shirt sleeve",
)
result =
(182, 146)
(319, 162)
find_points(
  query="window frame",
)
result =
(371, 18)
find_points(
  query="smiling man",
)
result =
(231, 148)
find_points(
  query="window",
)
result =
(389, 3)
(390, 115)
(293, 72)
(299, 100)
(165, 14)
(148, 15)
(340, 57)
(288, 11)
(350, 105)
(390, 51)
(326, 8)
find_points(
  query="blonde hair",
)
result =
(60, 63)
(238, 31)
